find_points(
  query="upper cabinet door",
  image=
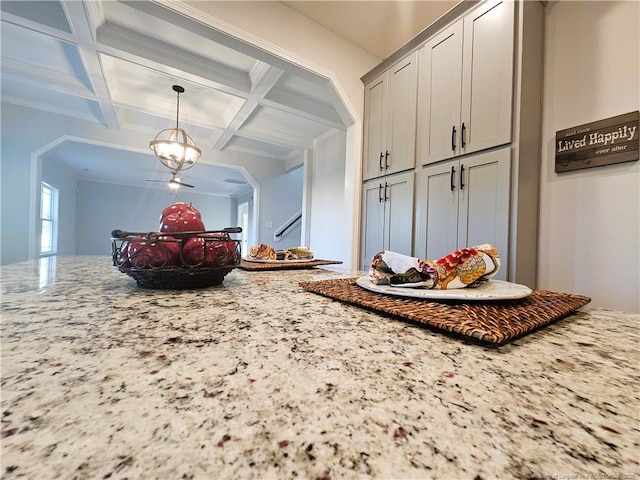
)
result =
(390, 120)
(400, 154)
(439, 95)
(375, 126)
(487, 79)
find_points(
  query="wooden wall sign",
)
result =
(605, 142)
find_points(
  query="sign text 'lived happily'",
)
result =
(605, 142)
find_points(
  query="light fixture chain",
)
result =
(177, 108)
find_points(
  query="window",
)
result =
(48, 219)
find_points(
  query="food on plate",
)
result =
(464, 268)
(297, 253)
(262, 252)
(267, 252)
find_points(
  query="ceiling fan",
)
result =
(175, 182)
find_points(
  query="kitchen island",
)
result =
(259, 378)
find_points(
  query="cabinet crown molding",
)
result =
(460, 9)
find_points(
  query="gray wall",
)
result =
(103, 207)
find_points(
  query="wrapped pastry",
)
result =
(464, 268)
(262, 252)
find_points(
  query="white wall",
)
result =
(103, 207)
(589, 234)
(328, 215)
(280, 199)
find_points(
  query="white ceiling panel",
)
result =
(303, 88)
(199, 105)
(38, 97)
(126, 15)
(48, 13)
(101, 163)
(252, 145)
(284, 124)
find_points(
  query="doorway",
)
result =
(243, 222)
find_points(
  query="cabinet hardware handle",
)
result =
(386, 160)
(453, 138)
(386, 198)
(453, 172)
(379, 193)
(463, 135)
(380, 161)
(461, 176)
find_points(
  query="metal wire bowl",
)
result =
(161, 261)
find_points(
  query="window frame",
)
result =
(50, 218)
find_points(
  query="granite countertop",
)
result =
(258, 378)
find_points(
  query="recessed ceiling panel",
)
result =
(101, 163)
(42, 55)
(132, 18)
(136, 86)
(302, 87)
(280, 122)
(251, 145)
(48, 13)
(41, 98)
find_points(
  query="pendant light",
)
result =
(174, 148)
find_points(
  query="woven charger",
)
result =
(285, 265)
(494, 322)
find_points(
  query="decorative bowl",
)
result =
(178, 260)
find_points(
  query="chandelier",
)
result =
(174, 148)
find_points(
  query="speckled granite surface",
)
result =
(258, 378)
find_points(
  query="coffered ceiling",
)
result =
(114, 63)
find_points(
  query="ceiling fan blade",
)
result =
(157, 181)
(180, 183)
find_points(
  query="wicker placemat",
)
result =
(285, 265)
(494, 322)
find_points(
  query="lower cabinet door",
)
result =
(462, 203)
(399, 213)
(387, 216)
(437, 210)
(373, 218)
(483, 212)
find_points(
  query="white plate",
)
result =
(492, 290)
(261, 260)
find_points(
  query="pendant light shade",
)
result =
(174, 148)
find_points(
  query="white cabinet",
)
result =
(478, 117)
(462, 203)
(465, 84)
(390, 120)
(387, 216)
